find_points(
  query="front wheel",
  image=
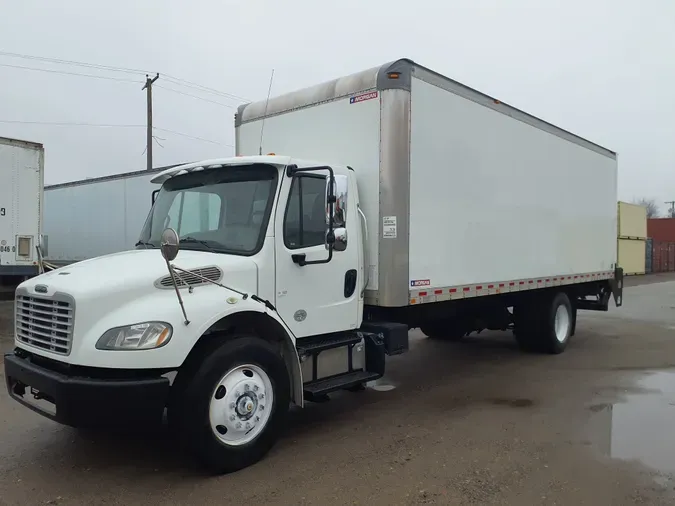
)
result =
(232, 408)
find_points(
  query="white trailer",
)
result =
(397, 198)
(21, 210)
(96, 216)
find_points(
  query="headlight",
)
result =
(141, 336)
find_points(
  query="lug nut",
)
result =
(257, 418)
(237, 393)
(232, 405)
(262, 396)
(248, 425)
(262, 407)
(255, 388)
(238, 426)
(246, 387)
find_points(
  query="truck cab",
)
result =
(269, 275)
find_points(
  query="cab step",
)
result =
(322, 387)
(315, 345)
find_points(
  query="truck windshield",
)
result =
(224, 210)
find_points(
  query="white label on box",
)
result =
(389, 227)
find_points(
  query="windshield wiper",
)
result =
(143, 243)
(192, 240)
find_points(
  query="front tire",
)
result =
(231, 409)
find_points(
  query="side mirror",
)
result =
(336, 235)
(154, 196)
(170, 244)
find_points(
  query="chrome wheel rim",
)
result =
(241, 405)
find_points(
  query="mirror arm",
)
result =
(292, 170)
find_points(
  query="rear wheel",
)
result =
(545, 325)
(230, 410)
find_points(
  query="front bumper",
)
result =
(81, 399)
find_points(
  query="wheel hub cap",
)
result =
(241, 404)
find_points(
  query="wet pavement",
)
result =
(642, 425)
(477, 422)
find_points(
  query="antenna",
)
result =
(267, 102)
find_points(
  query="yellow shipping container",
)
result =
(631, 255)
(632, 221)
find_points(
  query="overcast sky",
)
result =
(602, 69)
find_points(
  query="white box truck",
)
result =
(96, 216)
(21, 197)
(397, 199)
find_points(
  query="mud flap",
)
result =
(616, 285)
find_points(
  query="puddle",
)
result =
(380, 385)
(641, 426)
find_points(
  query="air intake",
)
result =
(194, 278)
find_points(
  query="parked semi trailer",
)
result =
(21, 208)
(397, 199)
(96, 216)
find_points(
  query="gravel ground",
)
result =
(467, 423)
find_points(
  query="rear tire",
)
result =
(545, 325)
(231, 408)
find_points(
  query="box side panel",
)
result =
(20, 169)
(345, 132)
(632, 255)
(90, 220)
(493, 198)
(632, 221)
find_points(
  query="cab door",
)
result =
(317, 298)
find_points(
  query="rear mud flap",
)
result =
(616, 285)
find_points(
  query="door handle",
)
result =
(350, 283)
(299, 258)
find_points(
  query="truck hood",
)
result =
(137, 272)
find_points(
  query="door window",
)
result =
(305, 220)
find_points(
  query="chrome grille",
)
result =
(183, 279)
(45, 323)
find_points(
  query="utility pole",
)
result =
(148, 88)
(672, 208)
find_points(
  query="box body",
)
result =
(21, 205)
(464, 195)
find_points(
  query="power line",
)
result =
(70, 73)
(73, 62)
(112, 125)
(193, 137)
(70, 123)
(194, 96)
(110, 68)
(190, 84)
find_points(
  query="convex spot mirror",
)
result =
(170, 244)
